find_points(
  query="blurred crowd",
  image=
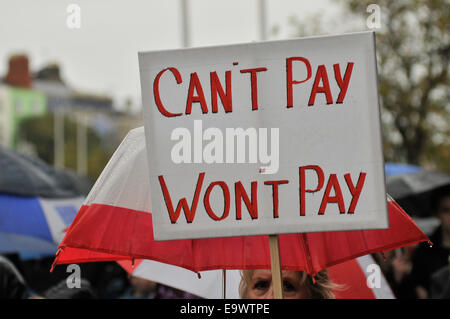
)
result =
(418, 271)
(423, 270)
(21, 279)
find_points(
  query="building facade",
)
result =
(17, 104)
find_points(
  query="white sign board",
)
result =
(264, 138)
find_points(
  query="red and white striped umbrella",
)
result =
(115, 223)
(351, 277)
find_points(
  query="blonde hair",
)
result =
(319, 288)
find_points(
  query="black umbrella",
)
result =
(37, 203)
(415, 191)
(26, 228)
(28, 176)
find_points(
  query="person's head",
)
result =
(62, 291)
(12, 284)
(257, 284)
(441, 207)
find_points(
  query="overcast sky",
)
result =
(101, 56)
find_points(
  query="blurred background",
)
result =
(69, 77)
(70, 81)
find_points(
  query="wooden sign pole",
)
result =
(275, 262)
(224, 283)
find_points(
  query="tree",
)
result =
(39, 131)
(413, 49)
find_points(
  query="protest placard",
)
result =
(264, 138)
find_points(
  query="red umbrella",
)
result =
(352, 277)
(115, 223)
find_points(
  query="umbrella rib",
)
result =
(194, 259)
(309, 266)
